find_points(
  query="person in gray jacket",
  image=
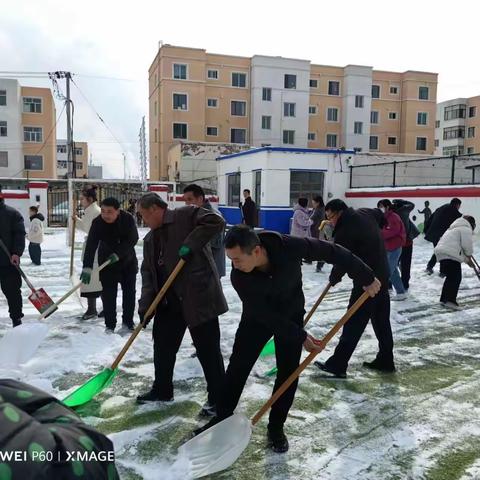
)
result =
(194, 195)
(195, 299)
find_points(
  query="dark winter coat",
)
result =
(360, 232)
(403, 208)
(317, 217)
(12, 232)
(197, 286)
(275, 298)
(249, 212)
(216, 244)
(119, 237)
(439, 222)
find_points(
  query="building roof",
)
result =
(286, 149)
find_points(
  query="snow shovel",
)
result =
(269, 348)
(109, 261)
(38, 298)
(219, 447)
(476, 266)
(102, 380)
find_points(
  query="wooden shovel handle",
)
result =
(72, 248)
(149, 312)
(317, 303)
(310, 358)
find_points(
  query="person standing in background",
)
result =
(249, 210)
(427, 214)
(35, 235)
(301, 222)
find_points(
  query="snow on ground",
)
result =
(421, 423)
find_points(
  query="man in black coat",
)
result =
(359, 231)
(114, 231)
(267, 276)
(12, 234)
(438, 224)
(249, 210)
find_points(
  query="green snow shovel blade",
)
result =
(90, 389)
(271, 372)
(268, 349)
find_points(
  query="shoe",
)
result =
(451, 305)
(16, 323)
(101, 314)
(208, 410)
(318, 270)
(126, 328)
(277, 440)
(109, 331)
(399, 297)
(88, 315)
(429, 271)
(153, 396)
(379, 367)
(441, 275)
(324, 368)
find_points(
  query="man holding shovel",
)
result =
(12, 234)
(267, 276)
(195, 299)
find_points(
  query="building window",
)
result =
(180, 130)
(288, 109)
(238, 135)
(257, 187)
(304, 183)
(311, 136)
(32, 105)
(61, 149)
(33, 162)
(455, 150)
(179, 71)
(470, 150)
(437, 123)
(392, 140)
(471, 132)
(375, 91)
(3, 128)
(422, 94)
(453, 132)
(212, 74)
(332, 114)
(358, 128)
(422, 118)
(373, 143)
(313, 83)
(393, 90)
(239, 79)
(78, 151)
(266, 122)
(156, 135)
(61, 164)
(238, 109)
(312, 110)
(155, 108)
(32, 134)
(333, 88)
(212, 102)
(289, 137)
(233, 189)
(332, 140)
(4, 159)
(374, 117)
(212, 131)
(472, 111)
(421, 143)
(3, 98)
(290, 81)
(358, 101)
(437, 142)
(392, 115)
(179, 101)
(266, 94)
(454, 111)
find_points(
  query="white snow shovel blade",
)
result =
(19, 344)
(218, 447)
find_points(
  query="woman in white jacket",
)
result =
(454, 248)
(88, 200)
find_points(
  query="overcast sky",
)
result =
(119, 39)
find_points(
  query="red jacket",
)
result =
(394, 233)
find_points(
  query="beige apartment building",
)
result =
(81, 159)
(195, 96)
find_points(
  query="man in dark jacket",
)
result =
(195, 299)
(194, 195)
(249, 210)
(359, 231)
(438, 224)
(267, 275)
(114, 231)
(12, 234)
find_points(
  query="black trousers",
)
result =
(168, 331)
(249, 341)
(405, 265)
(433, 260)
(11, 282)
(35, 251)
(453, 277)
(377, 310)
(127, 280)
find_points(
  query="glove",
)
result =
(185, 253)
(86, 276)
(113, 258)
(142, 318)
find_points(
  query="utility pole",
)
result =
(124, 167)
(143, 155)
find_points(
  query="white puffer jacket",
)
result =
(457, 242)
(91, 213)
(35, 233)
